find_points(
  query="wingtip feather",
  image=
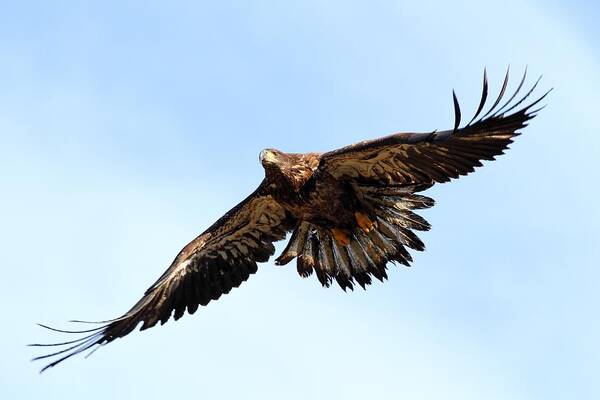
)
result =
(457, 115)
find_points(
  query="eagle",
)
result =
(350, 212)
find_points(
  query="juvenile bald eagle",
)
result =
(349, 212)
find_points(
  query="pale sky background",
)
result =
(127, 128)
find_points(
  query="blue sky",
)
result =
(126, 128)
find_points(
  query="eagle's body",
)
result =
(294, 182)
(349, 211)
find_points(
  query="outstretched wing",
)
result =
(218, 260)
(418, 158)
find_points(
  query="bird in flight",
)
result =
(349, 211)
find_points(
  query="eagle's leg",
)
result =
(364, 221)
(342, 236)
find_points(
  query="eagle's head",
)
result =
(271, 158)
(276, 164)
(284, 170)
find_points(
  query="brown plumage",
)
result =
(350, 212)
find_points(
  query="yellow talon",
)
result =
(342, 236)
(364, 222)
